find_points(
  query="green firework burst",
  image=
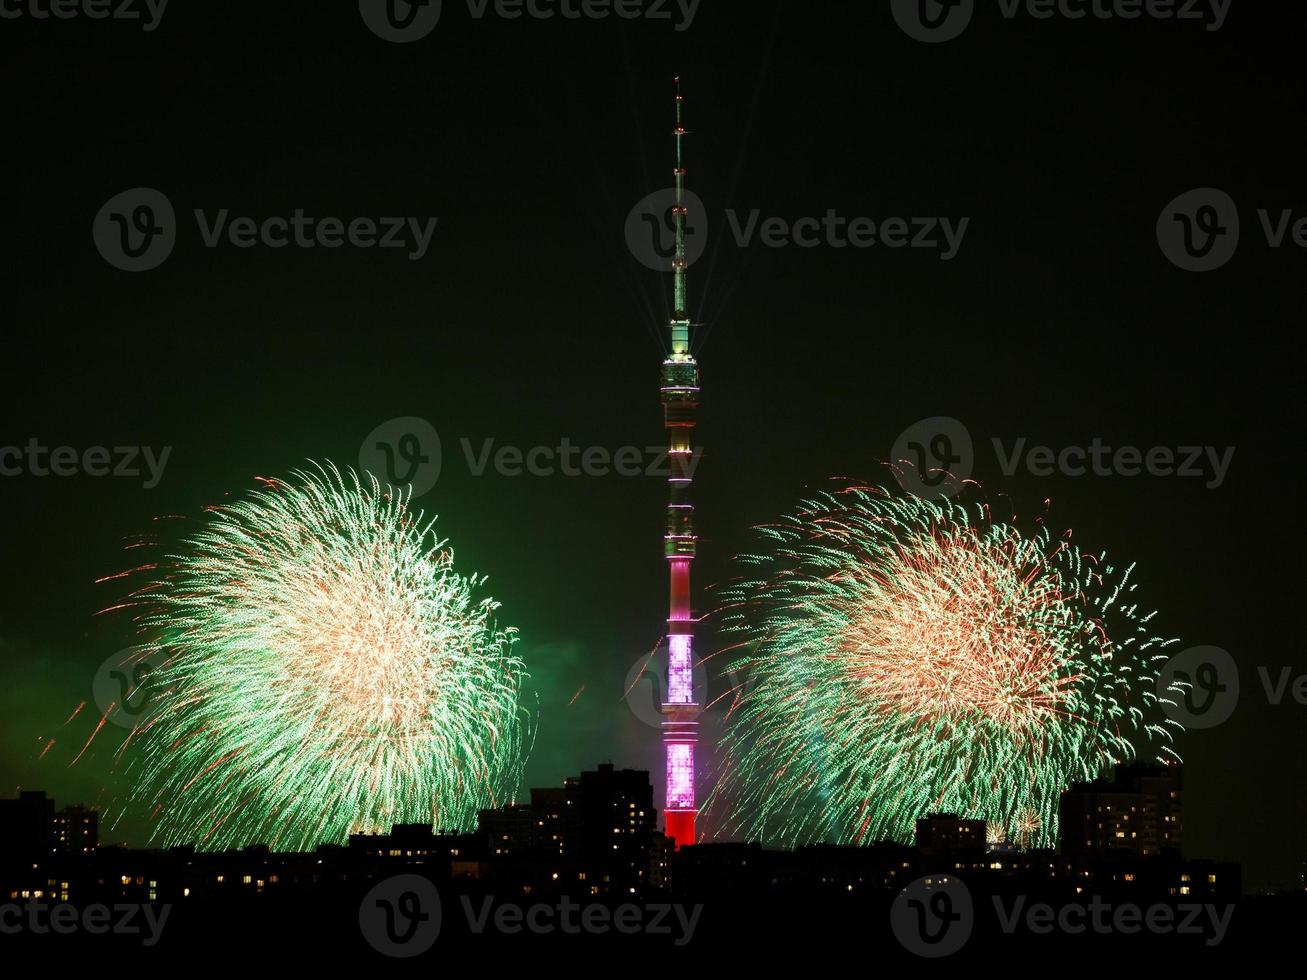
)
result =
(906, 657)
(322, 670)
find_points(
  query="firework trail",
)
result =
(906, 657)
(323, 670)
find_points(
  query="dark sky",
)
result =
(1059, 320)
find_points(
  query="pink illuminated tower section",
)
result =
(680, 397)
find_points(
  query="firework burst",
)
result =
(906, 657)
(323, 670)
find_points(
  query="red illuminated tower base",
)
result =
(680, 826)
(680, 398)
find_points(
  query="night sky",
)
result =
(528, 321)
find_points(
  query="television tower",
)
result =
(680, 398)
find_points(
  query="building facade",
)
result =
(1137, 810)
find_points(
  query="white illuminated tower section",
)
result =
(680, 397)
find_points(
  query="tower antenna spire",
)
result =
(680, 263)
